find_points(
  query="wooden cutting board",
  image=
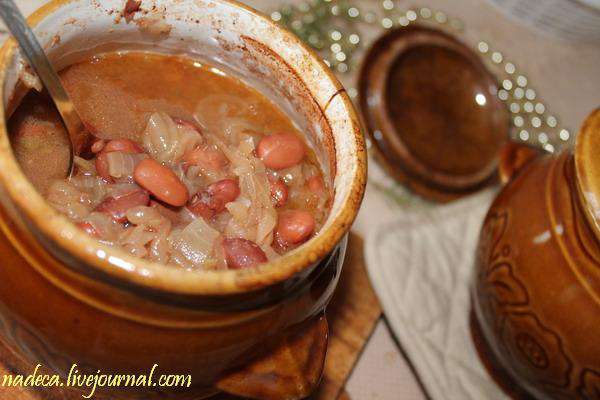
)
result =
(352, 315)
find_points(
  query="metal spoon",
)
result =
(31, 48)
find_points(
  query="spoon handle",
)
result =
(32, 50)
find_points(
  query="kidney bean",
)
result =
(315, 184)
(206, 157)
(88, 228)
(279, 192)
(281, 150)
(161, 182)
(225, 190)
(294, 226)
(116, 207)
(212, 201)
(242, 253)
(123, 145)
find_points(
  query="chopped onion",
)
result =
(191, 177)
(136, 250)
(239, 209)
(212, 110)
(122, 164)
(69, 200)
(195, 243)
(86, 167)
(235, 129)
(159, 249)
(143, 215)
(292, 176)
(108, 229)
(246, 146)
(138, 236)
(168, 141)
(119, 190)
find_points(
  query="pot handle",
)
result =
(290, 371)
(513, 157)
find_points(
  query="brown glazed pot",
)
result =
(65, 298)
(536, 291)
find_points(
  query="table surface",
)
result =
(566, 77)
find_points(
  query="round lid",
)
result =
(587, 168)
(432, 112)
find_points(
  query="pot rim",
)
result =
(118, 264)
(587, 169)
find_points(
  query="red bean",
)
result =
(281, 150)
(279, 192)
(206, 157)
(212, 201)
(123, 145)
(242, 253)
(88, 228)
(226, 190)
(116, 207)
(161, 182)
(294, 226)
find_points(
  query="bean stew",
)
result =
(191, 166)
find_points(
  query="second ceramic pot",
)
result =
(536, 292)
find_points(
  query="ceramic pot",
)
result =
(536, 291)
(65, 298)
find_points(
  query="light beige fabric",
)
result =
(420, 264)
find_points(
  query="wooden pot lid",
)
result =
(431, 109)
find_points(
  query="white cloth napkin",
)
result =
(420, 264)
